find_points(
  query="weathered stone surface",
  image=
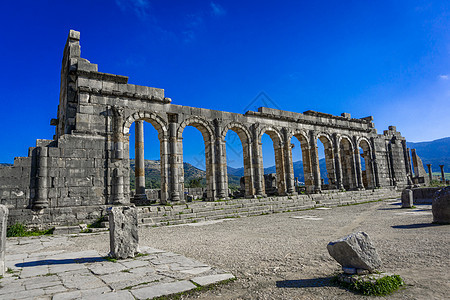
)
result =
(407, 198)
(87, 164)
(441, 206)
(355, 251)
(123, 231)
(3, 227)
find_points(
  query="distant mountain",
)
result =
(435, 152)
(5, 165)
(193, 177)
(298, 170)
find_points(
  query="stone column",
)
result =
(118, 183)
(123, 232)
(164, 169)
(139, 167)
(358, 169)
(258, 167)
(337, 162)
(289, 167)
(280, 169)
(375, 163)
(222, 179)
(42, 193)
(442, 173)
(3, 228)
(315, 163)
(430, 173)
(173, 161)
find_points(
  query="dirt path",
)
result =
(284, 256)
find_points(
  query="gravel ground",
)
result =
(282, 256)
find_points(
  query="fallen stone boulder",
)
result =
(441, 206)
(355, 251)
(3, 228)
(123, 232)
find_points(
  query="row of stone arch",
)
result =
(342, 156)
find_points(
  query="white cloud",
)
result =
(217, 9)
(443, 77)
(139, 7)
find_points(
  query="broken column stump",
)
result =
(407, 198)
(123, 231)
(3, 228)
(355, 252)
(441, 206)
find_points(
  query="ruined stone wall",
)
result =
(87, 163)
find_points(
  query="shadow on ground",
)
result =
(415, 226)
(60, 262)
(304, 283)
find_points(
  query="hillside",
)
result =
(193, 177)
(435, 152)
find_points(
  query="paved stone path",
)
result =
(34, 274)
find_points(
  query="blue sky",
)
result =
(389, 59)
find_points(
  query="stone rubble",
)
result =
(355, 251)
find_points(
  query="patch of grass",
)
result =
(380, 287)
(86, 231)
(10, 271)
(19, 229)
(125, 271)
(49, 274)
(141, 254)
(108, 258)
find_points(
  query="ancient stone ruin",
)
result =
(86, 165)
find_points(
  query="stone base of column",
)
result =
(141, 199)
(40, 204)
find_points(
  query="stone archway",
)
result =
(245, 138)
(208, 137)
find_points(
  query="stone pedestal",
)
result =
(3, 227)
(407, 198)
(441, 206)
(123, 232)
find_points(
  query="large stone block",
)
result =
(407, 198)
(441, 206)
(123, 231)
(355, 251)
(3, 227)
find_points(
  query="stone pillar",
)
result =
(3, 228)
(307, 168)
(173, 161)
(139, 167)
(407, 198)
(258, 167)
(430, 172)
(280, 169)
(164, 169)
(358, 169)
(289, 167)
(123, 232)
(315, 163)
(442, 173)
(337, 162)
(42, 193)
(118, 183)
(375, 163)
(222, 179)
